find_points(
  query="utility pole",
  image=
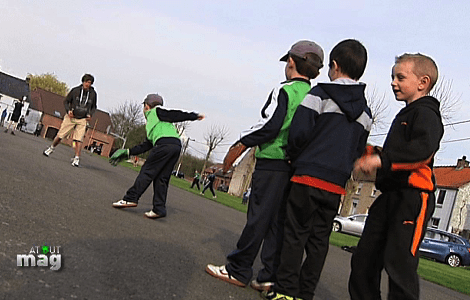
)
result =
(182, 154)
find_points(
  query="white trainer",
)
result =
(76, 162)
(48, 151)
(221, 273)
(122, 204)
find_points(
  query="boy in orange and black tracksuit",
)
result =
(397, 219)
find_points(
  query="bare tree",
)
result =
(213, 138)
(450, 102)
(182, 126)
(379, 108)
(126, 117)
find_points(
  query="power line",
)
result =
(457, 140)
(454, 123)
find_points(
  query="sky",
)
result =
(221, 58)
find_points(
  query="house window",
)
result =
(374, 193)
(359, 188)
(354, 206)
(57, 113)
(440, 198)
(435, 222)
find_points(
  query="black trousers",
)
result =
(157, 169)
(264, 225)
(209, 186)
(196, 183)
(310, 214)
(393, 232)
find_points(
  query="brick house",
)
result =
(452, 211)
(52, 110)
(360, 194)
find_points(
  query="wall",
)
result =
(443, 212)
(460, 212)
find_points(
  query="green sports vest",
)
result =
(157, 129)
(275, 149)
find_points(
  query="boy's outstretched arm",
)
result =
(175, 115)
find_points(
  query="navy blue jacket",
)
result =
(329, 131)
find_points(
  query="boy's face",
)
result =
(86, 84)
(406, 85)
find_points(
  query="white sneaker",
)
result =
(122, 203)
(221, 273)
(261, 286)
(76, 162)
(152, 215)
(48, 151)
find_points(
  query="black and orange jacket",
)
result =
(408, 152)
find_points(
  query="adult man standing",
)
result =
(15, 116)
(80, 105)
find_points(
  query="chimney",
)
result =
(462, 163)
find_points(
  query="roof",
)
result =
(450, 177)
(53, 104)
(14, 87)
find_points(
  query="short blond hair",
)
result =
(422, 65)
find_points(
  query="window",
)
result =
(435, 222)
(57, 113)
(440, 198)
(354, 206)
(374, 192)
(359, 188)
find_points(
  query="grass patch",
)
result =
(454, 278)
(222, 198)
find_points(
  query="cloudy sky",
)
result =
(221, 58)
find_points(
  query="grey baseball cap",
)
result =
(153, 100)
(301, 48)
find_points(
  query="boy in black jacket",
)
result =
(80, 105)
(398, 217)
(328, 133)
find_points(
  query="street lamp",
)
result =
(119, 137)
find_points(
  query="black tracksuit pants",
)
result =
(310, 214)
(393, 232)
(157, 169)
(264, 225)
(196, 183)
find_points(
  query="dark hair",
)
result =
(351, 57)
(88, 77)
(309, 66)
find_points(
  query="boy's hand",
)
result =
(233, 153)
(118, 156)
(368, 164)
(200, 117)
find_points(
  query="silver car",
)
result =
(353, 224)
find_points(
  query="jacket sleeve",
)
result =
(424, 137)
(301, 129)
(145, 146)
(68, 101)
(174, 115)
(273, 115)
(93, 106)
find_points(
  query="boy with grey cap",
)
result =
(164, 144)
(270, 184)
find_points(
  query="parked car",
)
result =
(445, 247)
(223, 188)
(180, 174)
(353, 224)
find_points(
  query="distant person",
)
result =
(38, 130)
(4, 115)
(15, 116)
(328, 133)
(136, 161)
(398, 218)
(163, 142)
(196, 179)
(80, 105)
(246, 196)
(265, 215)
(210, 184)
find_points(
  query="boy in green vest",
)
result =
(272, 173)
(164, 144)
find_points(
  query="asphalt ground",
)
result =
(109, 253)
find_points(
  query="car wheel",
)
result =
(453, 260)
(336, 226)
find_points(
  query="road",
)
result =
(109, 253)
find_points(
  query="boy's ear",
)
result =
(424, 83)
